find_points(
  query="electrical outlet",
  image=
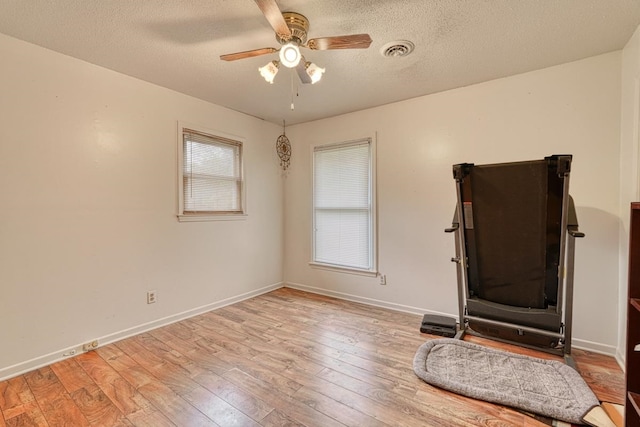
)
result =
(151, 297)
(90, 345)
(383, 279)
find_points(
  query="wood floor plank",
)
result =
(217, 409)
(280, 419)
(174, 407)
(392, 416)
(169, 372)
(18, 406)
(53, 399)
(70, 375)
(271, 314)
(293, 408)
(284, 358)
(253, 318)
(30, 415)
(233, 329)
(240, 399)
(24, 420)
(436, 414)
(209, 332)
(332, 408)
(601, 375)
(125, 377)
(391, 371)
(475, 411)
(15, 397)
(350, 398)
(265, 372)
(168, 355)
(174, 357)
(98, 408)
(150, 419)
(366, 375)
(123, 395)
(276, 353)
(162, 397)
(115, 357)
(196, 349)
(182, 330)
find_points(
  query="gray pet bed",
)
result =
(540, 386)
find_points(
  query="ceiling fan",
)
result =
(291, 32)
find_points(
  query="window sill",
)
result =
(340, 269)
(204, 218)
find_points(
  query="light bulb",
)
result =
(290, 55)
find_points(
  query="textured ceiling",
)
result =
(177, 44)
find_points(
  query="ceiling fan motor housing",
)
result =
(299, 26)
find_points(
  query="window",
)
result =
(210, 178)
(343, 205)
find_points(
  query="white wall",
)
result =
(629, 162)
(88, 225)
(572, 108)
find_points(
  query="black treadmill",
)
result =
(515, 227)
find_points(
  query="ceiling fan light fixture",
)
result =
(290, 55)
(269, 71)
(314, 72)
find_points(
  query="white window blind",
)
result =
(342, 205)
(211, 174)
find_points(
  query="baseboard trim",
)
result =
(364, 300)
(620, 358)
(595, 347)
(56, 356)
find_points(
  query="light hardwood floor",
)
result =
(286, 358)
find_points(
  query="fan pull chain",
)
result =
(292, 106)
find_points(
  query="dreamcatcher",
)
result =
(283, 147)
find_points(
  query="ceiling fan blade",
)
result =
(248, 54)
(354, 41)
(271, 11)
(301, 68)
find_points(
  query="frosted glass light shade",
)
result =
(314, 72)
(269, 71)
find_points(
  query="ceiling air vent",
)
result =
(397, 49)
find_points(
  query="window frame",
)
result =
(373, 209)
(223, 139)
